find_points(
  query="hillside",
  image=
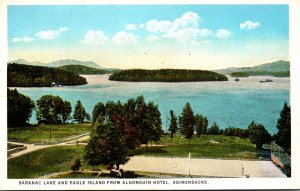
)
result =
(268, 68)
(20, 75)
(66, 62)
(78, 69)
(166, 75)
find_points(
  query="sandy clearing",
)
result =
(204, 167)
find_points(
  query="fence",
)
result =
(281, 158)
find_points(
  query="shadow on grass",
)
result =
(149, 150)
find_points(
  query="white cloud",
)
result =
(141, 26)
(51, 34)
(152, 38)
(131, 27)
(223, 33)
(124, 38)
(249, 25)
(23, 39)
(184, 29)
(95, 37)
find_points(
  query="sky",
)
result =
(150, 36)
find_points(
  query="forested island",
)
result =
(79, 69)
(261, 73)
(167, 75)
(20, 75)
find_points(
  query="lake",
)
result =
(228, 103)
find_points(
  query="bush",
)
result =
(76, 166)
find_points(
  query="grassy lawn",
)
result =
(46, 161)
(41, 133)
(12, 146)
(228, 147)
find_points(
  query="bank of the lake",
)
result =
(229, 103)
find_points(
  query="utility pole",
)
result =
(189, 163)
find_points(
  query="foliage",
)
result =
(79, 69)
(53, 110)
(231, 131)
(258, 134)
(79, 113)
(19, 75)
(239, 74)
(19, 108)
(200, 124)
(283, 136)
(76, 166)
(167, 75)
(107, 146)
(187, 121)
(173, 124)
(214, 129)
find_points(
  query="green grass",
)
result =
(12, 146)
(41, 133)
(46, 161)
(227, 148)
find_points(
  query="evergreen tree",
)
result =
(186, 122)
(283, 136)
(66, 111)
(214, 129)
(258, 134)
(205, 125)
(173, 124)
(79, 112)
(199, 124)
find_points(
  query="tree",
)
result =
(79, 112)
(19, 108)
(283, 136)
(76, 166)
(52, 109)
(214, 129)
(66, 111)
(199, 124)
(107, 146)
(186, 122)
(258, 134)
(205, 125)
(99, 110)
(173, 124)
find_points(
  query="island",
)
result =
(21, 75)
(167, 75)
(79, 69)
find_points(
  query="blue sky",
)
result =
(150, 36)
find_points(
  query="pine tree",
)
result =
(173, 124)
(283, 136)
(199, 124)
(79, 112)
(186, 122)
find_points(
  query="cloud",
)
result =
(152, 38)
(124, 38)
(95, 37)
(23, 39)
(51, 34)
(184, 29)
(223, 33)
(131, 27)
(249, 25)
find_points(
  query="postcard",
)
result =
(131, 95)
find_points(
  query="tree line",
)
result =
(20, 75)
(261, 73)
(167, 75)
(49, 110)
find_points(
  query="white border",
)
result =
(213, 183)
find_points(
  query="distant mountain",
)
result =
(66, 62)
(79, 69)
(22, 61)
(278, 66)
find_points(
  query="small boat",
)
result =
(267, 80)
(236, 79)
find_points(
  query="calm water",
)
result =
(228, 103)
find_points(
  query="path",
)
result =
(204, 167)
(34, 147)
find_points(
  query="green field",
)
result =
(228, 147)
(41, 133)
(45, 161)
